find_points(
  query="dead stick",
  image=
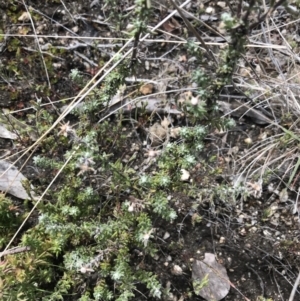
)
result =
(15, 250)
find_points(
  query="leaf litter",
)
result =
(11, 181)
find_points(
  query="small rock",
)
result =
(222, 240)
(176, 270)
(166, 236)
(210, 280)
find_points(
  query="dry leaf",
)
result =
(255, 188)
(11, 180)
(165, 123)
(4, 133)
(24, 17)
(217, 285)
(146, 89)
(233, 151)
(283, 195)
(245, 72)
(157, 134)
(171, 26)
(185, 97)
(182, 58)
(135, 205)
(18, 125)
(222, 27)
(175, 132)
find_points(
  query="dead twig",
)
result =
(15, 251)
(295, 288)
